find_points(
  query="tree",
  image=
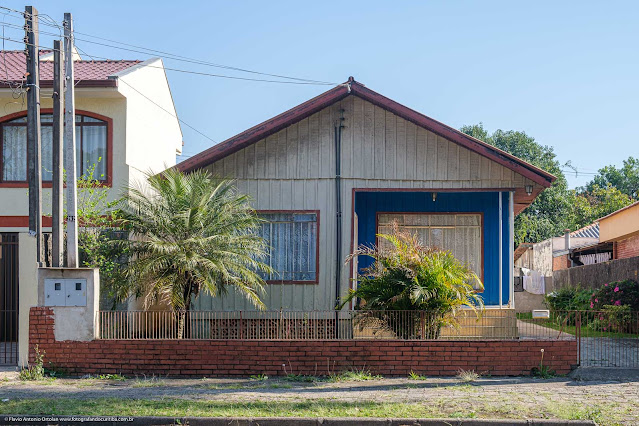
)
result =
(407, 276)
(191, 233)
(547, 216)
(625, 178)
(589, 205)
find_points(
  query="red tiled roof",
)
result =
(13, 65)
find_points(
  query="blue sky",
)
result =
(564, 72)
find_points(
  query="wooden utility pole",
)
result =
(34, 143)
(69, 145)
(57, 246)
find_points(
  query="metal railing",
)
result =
(606, 338)
(325, 325)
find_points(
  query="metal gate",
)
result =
(8, 299)
(608, 338)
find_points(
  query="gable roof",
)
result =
(13, 65)
(352, 87)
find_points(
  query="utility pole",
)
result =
(57, 246)
(69, 145)
(34, 143)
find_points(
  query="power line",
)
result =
(167, 111)
(230, 77)
(172, 56)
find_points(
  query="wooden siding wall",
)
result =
(295, 169)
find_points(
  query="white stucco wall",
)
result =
(28, 291)
(153, 133)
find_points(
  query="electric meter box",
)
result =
(65, 292)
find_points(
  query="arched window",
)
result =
(90, 140)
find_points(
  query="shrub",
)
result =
(407, 276)
(568, 299)
(613, 318)
(619, 293)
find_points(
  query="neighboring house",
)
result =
(577, 248)
(126, 125)
(621, 229)
(331, 173)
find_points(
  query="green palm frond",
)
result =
(192, 233)
(408, 276)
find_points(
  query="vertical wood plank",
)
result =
(401, 157)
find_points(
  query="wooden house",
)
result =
(331, 173)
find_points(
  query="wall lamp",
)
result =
(434, 196)
(529, 189)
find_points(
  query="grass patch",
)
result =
(115, 377)
(415, 376)
(467, 376)
(301, 378)
(174, 407)
(353, 376)
(150, 382)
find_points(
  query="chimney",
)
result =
(567, 237)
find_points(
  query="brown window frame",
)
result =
(317, 246)
(106, 122)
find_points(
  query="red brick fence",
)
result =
(318, 357)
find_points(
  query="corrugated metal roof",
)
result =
(589, 231)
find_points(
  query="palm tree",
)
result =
(407, 276)
(191, 233)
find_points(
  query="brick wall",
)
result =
(318, 357)
(560, 262)
(627, 248)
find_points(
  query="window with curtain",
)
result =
(293, 246)
(91, 148)
(461, 234)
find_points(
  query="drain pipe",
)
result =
(338, 208)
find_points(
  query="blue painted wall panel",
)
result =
(368, 204)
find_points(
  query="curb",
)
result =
(274, 421)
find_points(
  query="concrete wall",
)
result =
(28, 291)
(74, 322)
(594, 276)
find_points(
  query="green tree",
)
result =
(191, 233)
(547, 216)
(594, 203)
(407, 276)
(97, 226)
(625, 178)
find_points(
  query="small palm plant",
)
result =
(407, 276)
(191, 233)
